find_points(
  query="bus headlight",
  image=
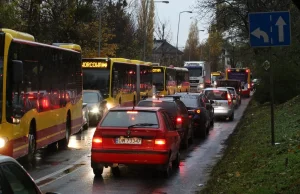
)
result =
(95, 110)
(3, 141)
(109, 106)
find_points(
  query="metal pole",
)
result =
(138, 82)
(272, 103)
(145, 29)
(100, 26)
(177, 38)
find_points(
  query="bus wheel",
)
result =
(31, 141)
(64, 142)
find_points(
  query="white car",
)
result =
(15, 179)
(222, 102)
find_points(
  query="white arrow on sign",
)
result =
(280, 23)
(258, 33)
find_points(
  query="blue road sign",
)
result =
(270, 29)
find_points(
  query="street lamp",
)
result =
(178, 31)
(145, 24)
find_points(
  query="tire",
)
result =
(31, 142)
(98, 171)
(176, 162)
(166, 172)
(191, 139)
(115, 171)
(64, 142)
(231, 117)
(87, 125)
(185, 144)
(212, 122)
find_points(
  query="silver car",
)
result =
(221, 101)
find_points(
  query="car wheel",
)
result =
(167, 169)
(115, 171)
(64, 142)
(87, 125)
(31, 143)
(212, 122)
(176, 162)
(185, 143)
(231, 117)
(98, 171)
(191, 139)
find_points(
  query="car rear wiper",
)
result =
(141, 125)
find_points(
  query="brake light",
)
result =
(45, 103)
(229, 99)
(97, 140)
(160, 142)
(132, 112)
(228, 70)
(247, 70)
(248, 85)
(157, 101)
(198, 111)
(178, 122)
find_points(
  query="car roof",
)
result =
(187, 93)
(166, 99)
(7, 159)
(95, 91)
(137, 108)
(220, 88)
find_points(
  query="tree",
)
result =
(191, 51)
(215, 43)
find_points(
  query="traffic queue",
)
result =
(152, 132)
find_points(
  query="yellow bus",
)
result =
(116, 79)
(182, 78)
(243, 75)
(164, 80)
(41, 93)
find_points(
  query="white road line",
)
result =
(60, 171)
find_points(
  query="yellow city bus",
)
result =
(164, 80)
(243, 75)
(116, 79)
(41, 99)
(182, 78)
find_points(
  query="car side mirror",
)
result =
(211, 101)
(17, 71)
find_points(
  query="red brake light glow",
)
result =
(179, 120)
(228, 70)
(157, 101)
(132, 112)
(160, 142)
(247, 70)
(97, 140)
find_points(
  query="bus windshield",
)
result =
(195, 72)
(96, 79)
(158, 80)
(241, 76)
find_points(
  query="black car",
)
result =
(177, 112)
(200, 110)
(96, 105)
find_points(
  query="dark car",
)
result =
(231, 83)
(96, 105)
(178, 114)
(15, 179)
(200, 110)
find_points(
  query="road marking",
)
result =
(41, 182)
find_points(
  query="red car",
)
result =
(135, 136)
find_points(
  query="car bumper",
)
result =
(127, 157)
(222, 112)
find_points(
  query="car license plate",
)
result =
(125, 140)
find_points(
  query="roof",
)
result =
(18, 35)
(188, 93)
(7, 159)
(220, 88)
(96, 91)
(136, 108)
(165, 98)
(162, 46)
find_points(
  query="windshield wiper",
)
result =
(142, 125)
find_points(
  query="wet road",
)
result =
(68, 171)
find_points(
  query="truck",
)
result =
(199, 75)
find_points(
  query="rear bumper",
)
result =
(245, 92)
(109, 157)
(223, 112)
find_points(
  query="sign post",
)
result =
(270, 29)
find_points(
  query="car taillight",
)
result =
(97, 142)
(160, 142)
(248, 85)
(198, 111)
(229, 99)
(178, 122)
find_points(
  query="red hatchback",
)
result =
(135, 136)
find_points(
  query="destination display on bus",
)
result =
(94, 64)
(156, 70)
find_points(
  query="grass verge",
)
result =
(250, 163)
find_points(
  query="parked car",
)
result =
(200, 110)
(135, 136)
(236, 98)
(222, 102)
(178, 114)
(85, 117)
(15, 179)
(96, 105)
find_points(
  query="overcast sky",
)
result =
(170, 14)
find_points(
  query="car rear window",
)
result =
(168, 106)
(216, 94)
(128, 118)
(190, 100)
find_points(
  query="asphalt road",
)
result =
(69, 172)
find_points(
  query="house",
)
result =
(165, 54)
